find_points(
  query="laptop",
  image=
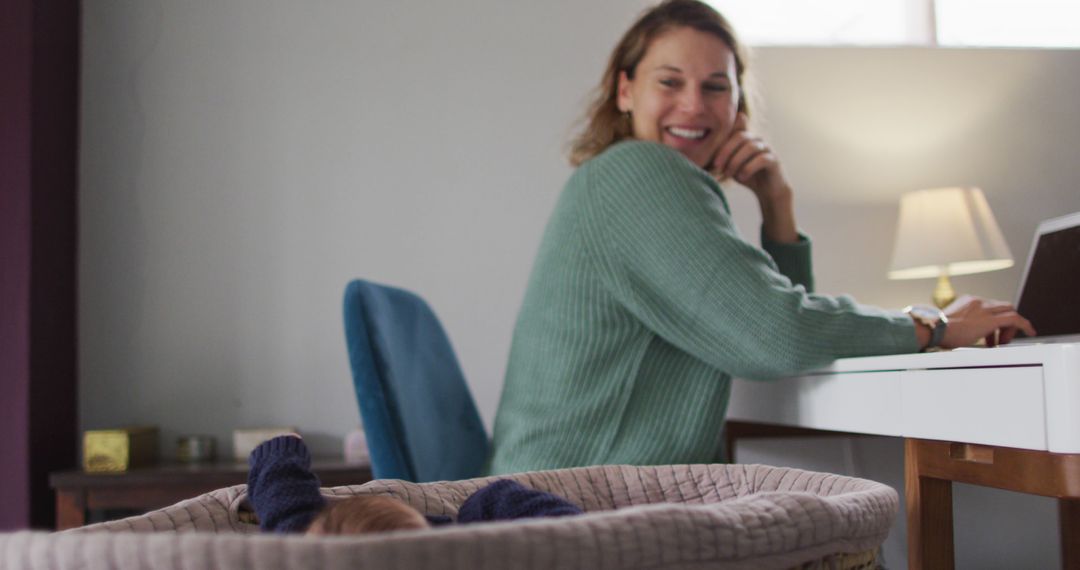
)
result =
(1049, 293)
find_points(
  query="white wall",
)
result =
(242, 160)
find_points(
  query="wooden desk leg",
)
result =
(70, 509)
(929, 515)
(1069, 519)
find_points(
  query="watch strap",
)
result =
(937, 333)
(933, 319)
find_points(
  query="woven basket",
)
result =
(688, 516)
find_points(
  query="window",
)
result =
(1030, 23)
(1012, 23)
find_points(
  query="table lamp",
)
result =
(943, 232)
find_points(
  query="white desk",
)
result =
(1006, 417)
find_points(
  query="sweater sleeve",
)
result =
(281, 487)
(659, 232)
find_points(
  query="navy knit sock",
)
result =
(506, 500)
(281, 486)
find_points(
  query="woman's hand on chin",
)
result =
(747, 159)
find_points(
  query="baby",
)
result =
(285, 495)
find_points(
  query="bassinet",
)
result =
(683, 516)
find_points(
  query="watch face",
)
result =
(925, 313)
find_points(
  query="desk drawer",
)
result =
(992, 406)
(864, 402)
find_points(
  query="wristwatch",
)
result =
(931, 318)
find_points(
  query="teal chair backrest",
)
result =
(420, 420)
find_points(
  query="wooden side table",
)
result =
(162, 485)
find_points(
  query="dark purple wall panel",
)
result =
(54, 172)
(15, 60)
(39, 56)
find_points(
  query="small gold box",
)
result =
(119, 449)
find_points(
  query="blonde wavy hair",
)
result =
(605, 124)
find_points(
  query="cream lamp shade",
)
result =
(947, 231)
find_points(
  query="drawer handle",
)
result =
(971, 453)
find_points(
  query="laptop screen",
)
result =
(1050, 297)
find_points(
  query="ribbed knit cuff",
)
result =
(793, 259)
(282, 445)
(904, 332)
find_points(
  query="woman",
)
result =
(644, 301)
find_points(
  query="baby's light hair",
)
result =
(364, 514)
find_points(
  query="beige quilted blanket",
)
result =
(686, 516)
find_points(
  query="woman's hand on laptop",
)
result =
(973, 318)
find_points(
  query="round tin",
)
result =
(195, 448)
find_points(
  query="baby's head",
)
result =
(367, 513)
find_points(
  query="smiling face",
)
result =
(684, 93)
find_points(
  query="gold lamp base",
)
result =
(944, 294)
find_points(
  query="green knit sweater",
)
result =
(643, 303)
